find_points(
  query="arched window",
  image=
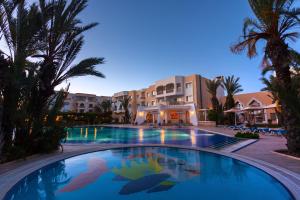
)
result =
(160, 90)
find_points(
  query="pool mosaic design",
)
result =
(148, 173)
(111, 135)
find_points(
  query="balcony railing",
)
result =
(170, 103)
(170, 91)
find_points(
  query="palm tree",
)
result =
(212, 88)
(232, 86)
(63, 40)
(20, 27)
(275, 24)
(106, 105)
(52, 34)
(125, 104)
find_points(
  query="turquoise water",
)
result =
(148, 173)
(113, 135)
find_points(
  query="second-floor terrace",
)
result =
(169, 87)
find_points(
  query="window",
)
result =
(273, 116)
(178, 87)
(152, 103)
(153, 93)
(179, 99)
(80, 98)
(93, 99)
(188, 85)
(81, 105)
(91, 105)
(90, 110)
(81, 110)
(189, 98)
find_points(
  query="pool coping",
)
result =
(10, 178)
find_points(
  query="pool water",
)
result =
(148, 173)
(189, 137)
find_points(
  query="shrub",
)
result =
(247, 135)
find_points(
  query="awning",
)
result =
(233, 110)
(253, 108)
(274, 105)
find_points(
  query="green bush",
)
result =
(247, 135)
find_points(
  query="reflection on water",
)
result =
(162, 136)
(187, 137)
(148, 173)
(193, 138)
(95, 133)
(141, 135)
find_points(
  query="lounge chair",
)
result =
(279, 132)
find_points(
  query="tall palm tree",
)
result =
(125, 104)
(276, 24)
(63, 40)
(212, 88)
(51, 33)
(106, 105)
(232, 86)
(20, 28)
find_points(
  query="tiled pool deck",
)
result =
(259, 154)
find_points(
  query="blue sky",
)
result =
(147, 40)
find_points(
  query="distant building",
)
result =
(81, 103)
(178, 99)
(256, 107)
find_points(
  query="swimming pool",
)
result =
(148, 173)
(113, 135)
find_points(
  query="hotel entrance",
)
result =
(177, 117)
(151, 117)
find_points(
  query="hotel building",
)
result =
(178, 99)
(82, 103)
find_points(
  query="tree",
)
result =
(232, 86)
(106, 105)
(275, 24)
(125, 104)
(20, 27)
(63, 40)
(212, 88)
(43, 40)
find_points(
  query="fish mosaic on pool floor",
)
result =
(96, 167)
(156, 173)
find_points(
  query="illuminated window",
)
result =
(189, 98)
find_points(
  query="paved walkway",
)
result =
(264, 149)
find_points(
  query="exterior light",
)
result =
(192, 112)
(141, 114)
(161, 112)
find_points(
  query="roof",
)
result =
(262, 97)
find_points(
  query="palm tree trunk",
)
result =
(279, 54)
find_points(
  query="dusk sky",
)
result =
(148, 40)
